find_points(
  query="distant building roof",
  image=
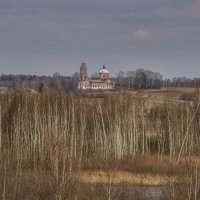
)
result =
(96, 81)
(104, 71)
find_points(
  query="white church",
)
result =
(103, 83)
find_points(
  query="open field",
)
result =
(154, 96)
(164, 91)
(161, 95)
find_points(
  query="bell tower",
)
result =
(83, 77)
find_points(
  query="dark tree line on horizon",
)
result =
(139, 79)
(130, 80)
(56, 82)
(146, 79)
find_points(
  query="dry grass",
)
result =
(158, 96)
(138, 171)
(174, 94)
(170, 91)
(122, 177)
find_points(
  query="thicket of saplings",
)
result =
(46, 139)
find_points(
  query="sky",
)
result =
(46, 36)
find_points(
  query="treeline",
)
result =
(56, 82)
(182, 82)
(139, 79)
(131, 80)
(146, 79)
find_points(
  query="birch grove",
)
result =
(58, 131)
(39, 126)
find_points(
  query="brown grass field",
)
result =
(158, 96)
(168, 92)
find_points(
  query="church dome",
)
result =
(104, 70)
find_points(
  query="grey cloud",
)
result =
(58, 34)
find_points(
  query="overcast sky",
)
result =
(44, 36)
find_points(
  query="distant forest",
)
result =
(131, 80)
